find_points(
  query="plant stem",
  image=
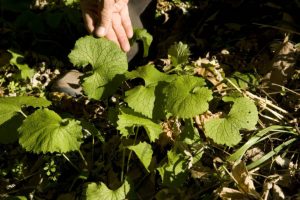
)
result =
(82, 157)
(73, 165)
(20, 111)
(123, 164)
(130, 153)
(93, 149)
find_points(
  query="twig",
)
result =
(73, 165)
(292, 91)
(278, 28)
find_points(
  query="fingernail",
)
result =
(126, 48)
(101, 31)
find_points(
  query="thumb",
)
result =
(105, 17)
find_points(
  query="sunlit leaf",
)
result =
(179, 53)
(144, 152)
(243, 80)
(186, 97)
(243, 115)
(45, 131)
(70, 2)
(145, 37)
(107, 60)
(143, 99)
(150, 75)
(10, 106)
(17, 60)
(94, 191)
(128, 119)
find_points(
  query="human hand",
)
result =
(109, 18)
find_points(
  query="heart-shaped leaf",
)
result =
(128, 119)
(243, 115)
(144, 152)
(186, 97)
(94, 191)
(10, 106)
(45, 131)
(107, 61)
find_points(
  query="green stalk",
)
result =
(130, 153)
(253, 140)
(123, 165)
(270, 154)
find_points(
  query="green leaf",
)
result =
(150, 75)
(107, 60)
(174, 172)
(270, 154)
(90, 128)
(45, 131)
(238, 154)
(142, 99)
(70, 2)
(243, 80)
(186, 97)
(243, 115)
(190, 134)
(128, 119)
(10, 106)
(144, 152)
(145, 37)
(179, 53)
(17, 60)
(100, 191)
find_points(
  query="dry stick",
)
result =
(253, 96)
(269, 118)
(292, 91)
(82, 157)
(267, 102)
(73, 165)
(262, 102)
(20, 111)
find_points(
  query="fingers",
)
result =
(111, 35)
(89, 14)
(105, 16)
(89, 22)
(120, 32)
(126, 22)
(109, 18)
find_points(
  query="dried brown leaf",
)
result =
(282, 162)
(232, 194)
(244, 179)
(283, 64)
(277, 192)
